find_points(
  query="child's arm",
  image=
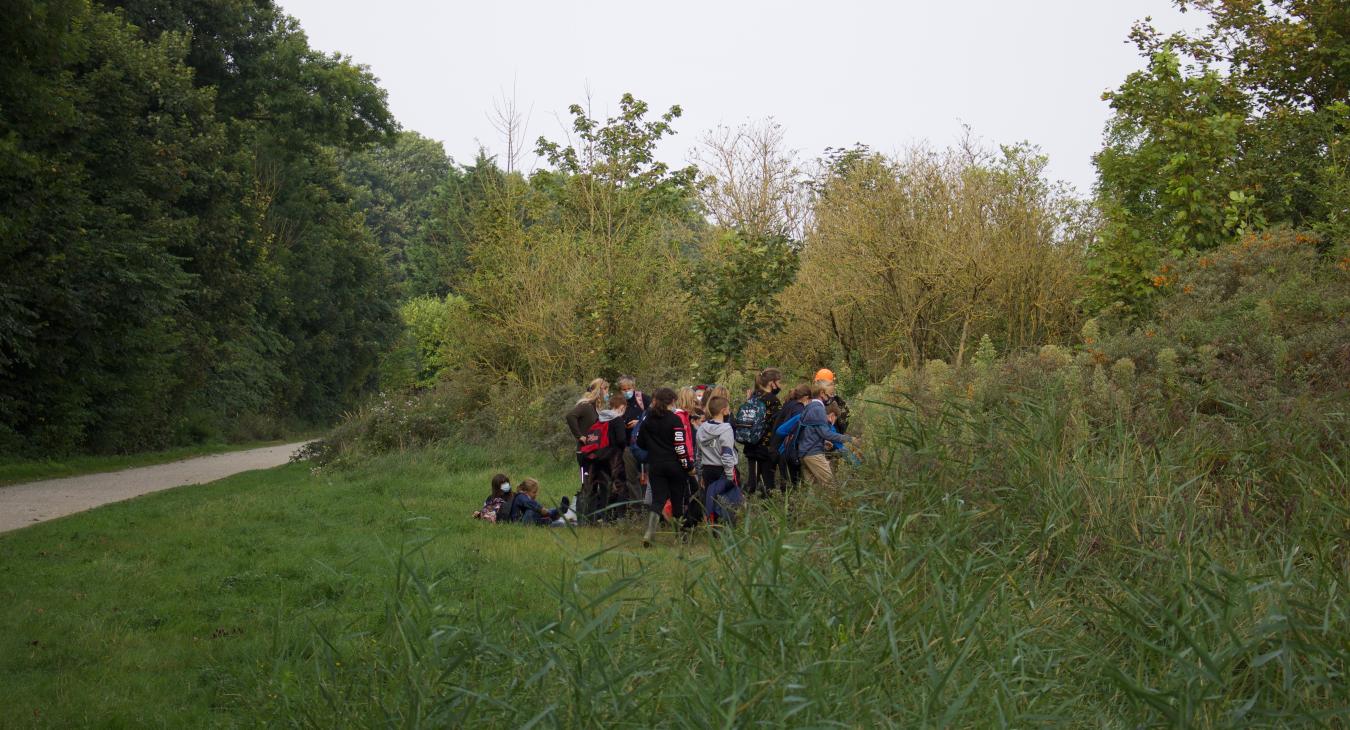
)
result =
(786, 427)
(727, 445)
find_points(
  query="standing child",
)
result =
(717, 453)
(666, 438)
(813, 432)
(753, 428)
(604, 483)
(498, 497)
(790, 471)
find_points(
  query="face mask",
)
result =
(628, 394)
(775, 390)
(506, 487)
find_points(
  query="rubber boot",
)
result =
(653, 520)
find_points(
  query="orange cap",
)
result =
(824, 374)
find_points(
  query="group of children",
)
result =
(674, 454)
(519, 506)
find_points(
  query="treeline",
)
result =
(182, 254)
(208, 224)
(608, 261)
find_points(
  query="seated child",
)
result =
(496, 500)
(525, 507)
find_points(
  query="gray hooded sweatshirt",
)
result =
(717, 444)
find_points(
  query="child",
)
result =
(666, 439)
(525, 507)
(814, 430)
(605, 474)
(499, 497)
(717, 454)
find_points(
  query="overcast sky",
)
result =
(888, 74)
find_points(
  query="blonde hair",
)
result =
(595, 393)
(717, 391)
(528, 486)
(685, 400)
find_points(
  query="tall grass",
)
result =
(1149, 529)
(1095, 585)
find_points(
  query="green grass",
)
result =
(1088, 585)
(192, 606)
(18, 471)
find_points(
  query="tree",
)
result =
(754, 190)
(399, 189)
(916, 258)
(1235, 128)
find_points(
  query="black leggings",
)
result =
(668, 482)
(762, 475)
(791, 472)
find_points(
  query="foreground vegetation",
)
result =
(1148, 526)
(211, 604)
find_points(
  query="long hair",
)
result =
(766, 376)
(497, 481)
(685, 400)
(595, 393)
(661, 401)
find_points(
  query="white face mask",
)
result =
(506, 487)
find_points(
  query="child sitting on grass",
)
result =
(525, 507)
(497, 499)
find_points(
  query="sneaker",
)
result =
(563, 505)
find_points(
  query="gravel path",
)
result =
(22, 505)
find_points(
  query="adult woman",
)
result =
(584, 415)
(762, 458)
(670, 462)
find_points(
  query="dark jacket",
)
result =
(789, 410)
(841, 423)
(666, 440)
(772, 407)
(581, 418)
(637, 405)
(525, 510)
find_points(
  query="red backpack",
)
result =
(597, 440)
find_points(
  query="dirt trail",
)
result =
(22, 505)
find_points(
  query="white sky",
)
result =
(888, 74)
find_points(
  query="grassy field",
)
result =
(18, 471)
(1094, 592)
(199, 605)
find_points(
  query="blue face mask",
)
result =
(628, 394)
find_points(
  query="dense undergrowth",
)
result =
(1149, 528)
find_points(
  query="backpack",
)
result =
(750, 421)
(788, 447)
(597, 440)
